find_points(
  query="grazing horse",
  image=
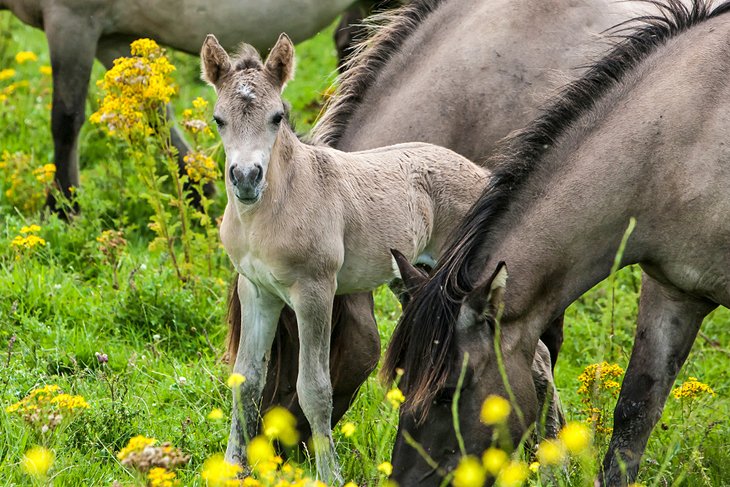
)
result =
(432, 72)
(79, 30)
(641, 134)
(304, 223)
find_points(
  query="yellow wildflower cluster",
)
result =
(24, 187)
(28, 238)
(25, 56)
(194, 119)
(135, 91)
(37, 461)
(45, 70)
(599, 386)
(574, 439)
(46, 407)
(45, 173)
(161, 477)
(200, 168)
(6, 73)
(348, 429)
(395, 397)
(692, 389)
(143, 454)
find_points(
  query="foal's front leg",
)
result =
(259, 316)
(667, 326)
(312, 303)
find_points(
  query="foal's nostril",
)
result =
(258, 173)
(232, 174)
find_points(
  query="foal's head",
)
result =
(249, 111)
(427, 415)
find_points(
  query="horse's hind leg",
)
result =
(72, 44)
(667, 326)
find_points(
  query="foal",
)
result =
(304, 223)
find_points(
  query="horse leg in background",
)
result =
(667, 326)
(312, 300)
(260, 312)
(72, 44)
(553, 339)
(111, 48)
(354, 354)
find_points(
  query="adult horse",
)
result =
(431, 72)
(80, 30)
(641, 134)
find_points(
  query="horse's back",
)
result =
(476, 71)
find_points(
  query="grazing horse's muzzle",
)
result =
(246, 182)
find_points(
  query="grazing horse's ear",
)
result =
(280, 63)
(413, 278)
(214, 60)
(487, 295)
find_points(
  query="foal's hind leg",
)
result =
(667, 326)
(259, 316)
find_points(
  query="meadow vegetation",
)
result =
(112, 324)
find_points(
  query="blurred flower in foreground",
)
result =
(469, 473)
(37, 461)
(495, 410)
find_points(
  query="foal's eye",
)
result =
(219, 122)
(277, 118)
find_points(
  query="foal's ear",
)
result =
(412, 277)
(280, 63)
(487, 295)
(214, 60)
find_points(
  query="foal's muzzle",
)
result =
(246, 182)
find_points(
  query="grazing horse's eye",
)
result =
(219, 122)
(277, 118)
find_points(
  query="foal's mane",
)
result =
(423, 342)
(389, 30)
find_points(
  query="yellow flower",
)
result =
(348, 429)
(494, 459)
(45, 173)
(251, 482)
(513, 475)
(219, 473)
(692, 389)
(37, 461)
(259, 450)
(216, 414)
(576, 437)
(551, 452)
(31, 229)
(45, 70)
(495, 410)
(395, 397)
(200, 103)
(200, 167)
(534, 467)
(6, 74)
(280, 424)
(469, 473)
(69, 402)
(386, 468)
(25, 56)
(351, 484)
(135, 444)
(160, 477)
(235, 380)
(28, 242)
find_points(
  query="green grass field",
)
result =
(59, 307)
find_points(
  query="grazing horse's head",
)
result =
(426, 417)
(249, 110)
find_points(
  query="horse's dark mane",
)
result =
(389, 31)
(423, 342)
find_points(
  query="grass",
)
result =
(164, 339)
